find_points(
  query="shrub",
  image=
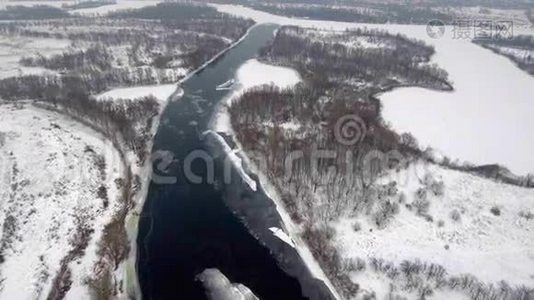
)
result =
(100, 286)
(527, 215)
(421, 205)
(356, 226)
(421, 194)
(441, 223)
(354, 264)
(428, 218)
(348, 288)
(360, 264)
(455, 215)
(438, 188)
(425, 291)
(114, 245)
(385, 213)
(495, 211)
(102, 193)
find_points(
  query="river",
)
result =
(185, 227)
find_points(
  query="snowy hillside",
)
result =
(463, 224)
(59, 187)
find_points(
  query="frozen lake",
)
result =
(485, 120)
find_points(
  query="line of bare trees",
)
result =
(332, 58)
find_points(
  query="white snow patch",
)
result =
(252, 74)
(490, 247)
(162, 92)
(120, 5)
(282, 235)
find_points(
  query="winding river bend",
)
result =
(185, 227)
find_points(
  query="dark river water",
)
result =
(185, 227)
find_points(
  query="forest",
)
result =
(293, 134)
(366, 13)
(519, 49)
(389, 7)
(358, 57)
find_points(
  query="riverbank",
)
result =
(254, 74)
(132, 219)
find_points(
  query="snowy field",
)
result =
(120, 5)
(57, 190)
(162, 92)
(13, 49)
(491, 247)
(485, 120)
(253, 74)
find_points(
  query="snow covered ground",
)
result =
(57, 188)
(162, 92)
(491, 247)
(485, 120)
(13, 49)
(252, 74)
(120, 5)
(218, 287)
